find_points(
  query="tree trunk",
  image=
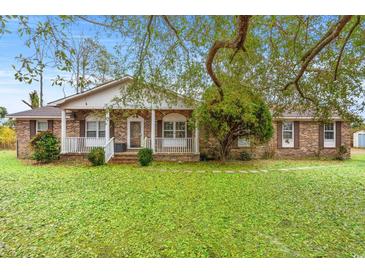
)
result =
(41, 90)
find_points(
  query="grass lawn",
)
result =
(161, 211)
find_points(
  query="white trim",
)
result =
(289, 144)
(134, 119)
(35, 117)
(153, 129)
(330, 143)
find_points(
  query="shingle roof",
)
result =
(43, 112)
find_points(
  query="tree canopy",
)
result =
(292, 62)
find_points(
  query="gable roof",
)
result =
(42, 112)
(93, 90)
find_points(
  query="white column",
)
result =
(107, 126)
(63, 130)
(196, 138)
(153, 129)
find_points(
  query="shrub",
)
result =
(7, 138)
(96, 156)
(342, 153)
(45, 147)
(245, 156)
(203, 156)
(145, 156)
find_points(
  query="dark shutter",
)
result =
(279, 134)
(50, 125)
(159, 128)
(82, 128)
(296, 134)
(320, 136)
(338, 134)
(32, 128)
(111, 131)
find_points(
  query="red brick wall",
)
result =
(308, 147)
(308, 144)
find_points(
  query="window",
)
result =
(42, 126)
(288, 134)
(174, 126)
(329, 135)
(243, 142)
(168, 129)
(95, 129)
(180, 129)
(174, 129)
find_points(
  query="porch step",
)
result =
(124, 158)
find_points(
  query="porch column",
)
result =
(153, 129)
(107, 126)
(196, 131)
(63, 130)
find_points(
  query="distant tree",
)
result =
(33, 100)
(3, 112)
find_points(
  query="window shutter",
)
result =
(296, 134)
(50, 125)
(338, 134)
(82, 128)
(159, 128)
(32, 128)
(111, 129)
(320, 136)
(279, 132)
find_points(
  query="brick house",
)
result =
(86, 120)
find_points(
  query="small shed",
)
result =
(359, 139)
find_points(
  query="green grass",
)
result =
(127, 211)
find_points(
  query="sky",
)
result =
(11, 45)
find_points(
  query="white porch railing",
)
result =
(172, 145)
(109, 150)
(86, 144)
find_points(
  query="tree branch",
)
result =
(331, 35)
(174, 30)
(145, 44)
(237, 43)
(344, 45)
(94, 22)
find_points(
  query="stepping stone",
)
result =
(242, 171)
(229, 171)
(264, 170)
(253, 171)
(217, 171)
(283, 169)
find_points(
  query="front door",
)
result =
(135, 134)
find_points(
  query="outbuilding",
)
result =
(359, 139)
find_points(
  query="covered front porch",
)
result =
(165, 131)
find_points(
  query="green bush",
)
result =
(45, 147)
(342, 153)
(96, 156)
(145, 156)
(245, 156)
